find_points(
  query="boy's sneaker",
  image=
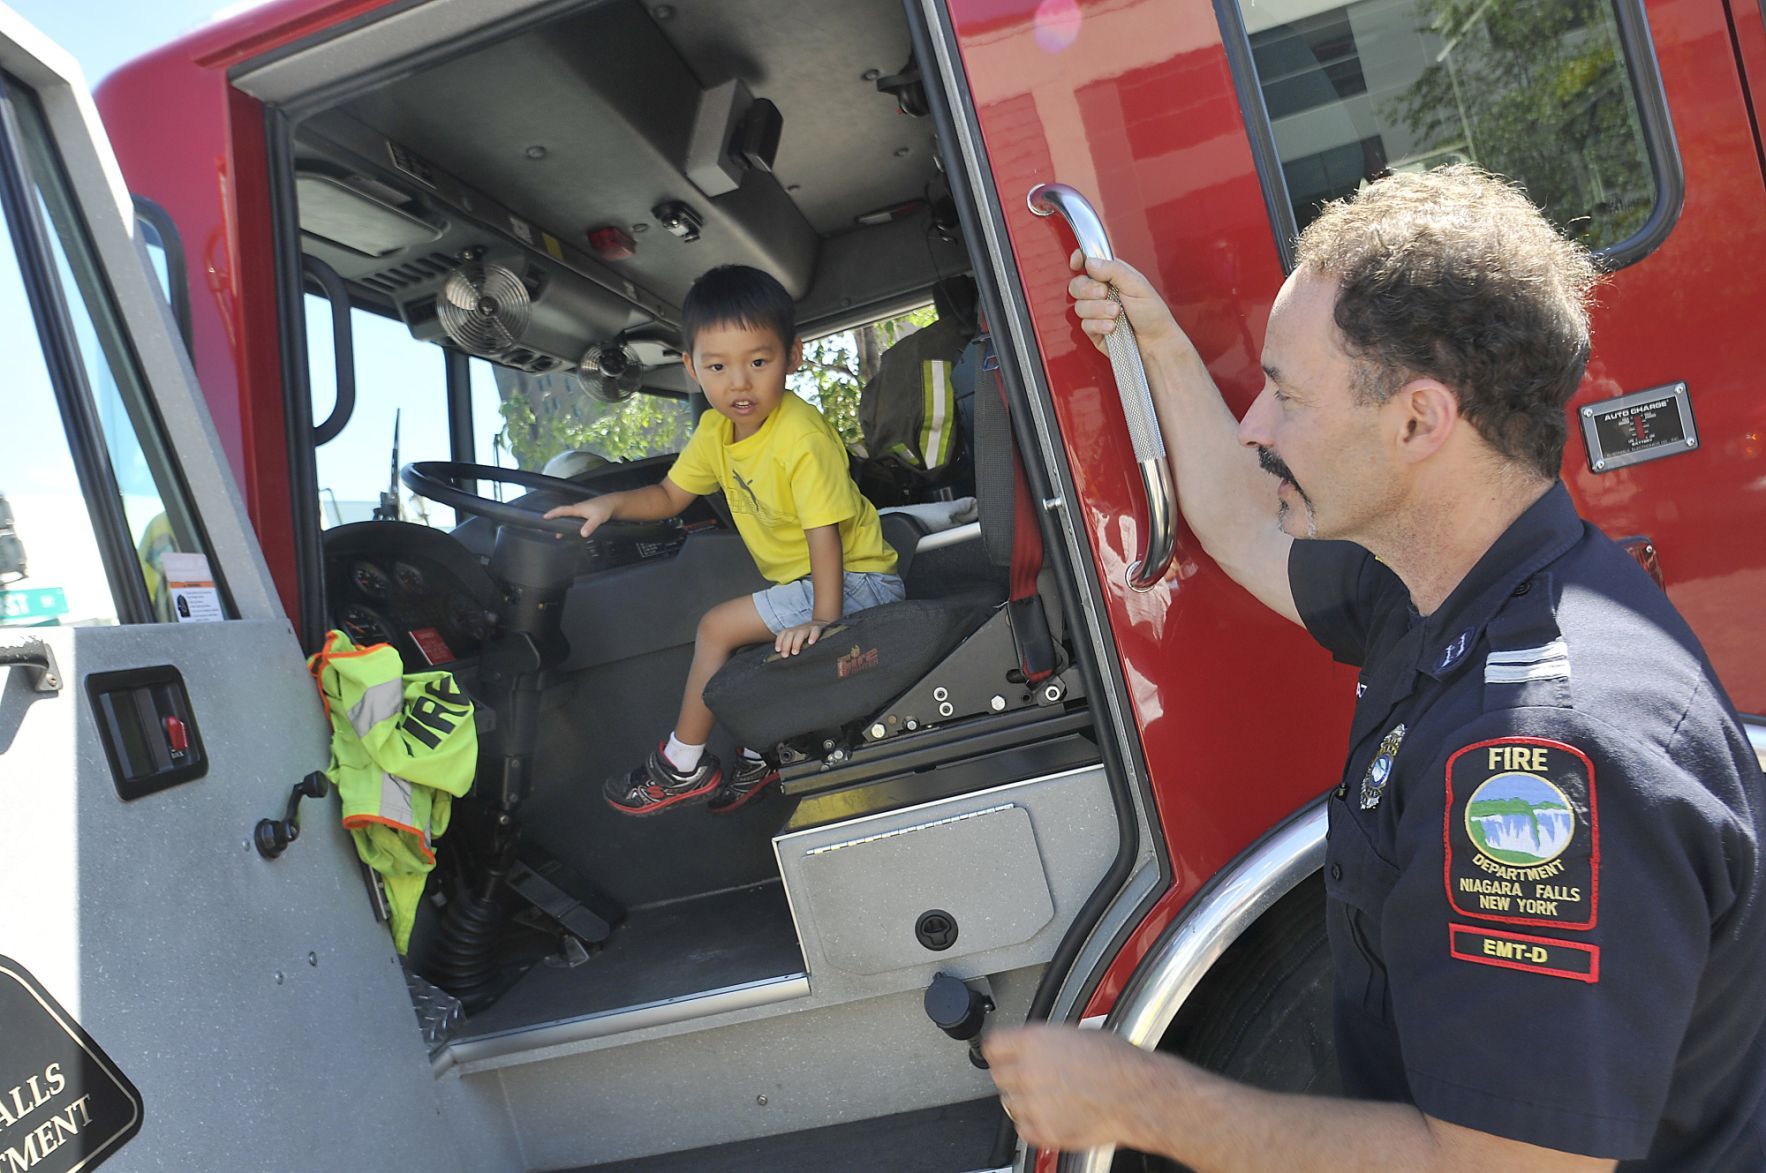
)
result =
(657, 785)
(746, 782)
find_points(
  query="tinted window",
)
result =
(1536, 92)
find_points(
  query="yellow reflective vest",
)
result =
(402, 748)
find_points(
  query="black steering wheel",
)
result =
(432, 479)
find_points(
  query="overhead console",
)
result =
(550, 197)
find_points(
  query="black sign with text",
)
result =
(1640, 426)
(64, 1106)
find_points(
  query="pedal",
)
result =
(552, 888)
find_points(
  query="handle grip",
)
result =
(1048, 199)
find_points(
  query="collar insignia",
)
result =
(1454, 652)
(1379, 771)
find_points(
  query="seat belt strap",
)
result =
(1030, 625)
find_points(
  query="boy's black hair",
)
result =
(738, 295)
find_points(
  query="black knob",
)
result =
(954, 1008)
(936, 929)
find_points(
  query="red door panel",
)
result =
(1242, 717)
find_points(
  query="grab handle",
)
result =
(1046, 199)
(36, 658)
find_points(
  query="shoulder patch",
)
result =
(1523, 833)
(1575, 960)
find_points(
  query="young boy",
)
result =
(784, 472)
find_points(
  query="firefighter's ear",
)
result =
(1422, 415)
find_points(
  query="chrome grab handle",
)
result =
(1046, 199)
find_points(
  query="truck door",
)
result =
(168, 997)
(1205, 136)
(1133, 106)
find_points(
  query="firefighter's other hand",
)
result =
(1073, 1089)
(594, 512)
(1098, 311)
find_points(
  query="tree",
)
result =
(544, 415)
(836, 367)
(549, 413)
(1539, 93)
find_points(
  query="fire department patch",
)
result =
(1522, 833)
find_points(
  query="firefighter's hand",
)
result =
(594, 512)
(1147, 312)
(1073, 1089)
(794, 639)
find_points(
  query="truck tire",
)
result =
(1263, 1013)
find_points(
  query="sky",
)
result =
(102, 34)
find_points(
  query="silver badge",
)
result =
(1379, 771)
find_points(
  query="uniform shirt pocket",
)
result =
(1358, 880)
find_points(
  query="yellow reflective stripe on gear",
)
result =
(937, 407)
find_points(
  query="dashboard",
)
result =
(409, 586)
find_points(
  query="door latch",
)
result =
(273, 836)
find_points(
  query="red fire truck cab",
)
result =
(425, 262)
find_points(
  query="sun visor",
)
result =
(340, 214)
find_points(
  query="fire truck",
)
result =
(438, 248)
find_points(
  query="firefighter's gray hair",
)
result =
(1456, 275)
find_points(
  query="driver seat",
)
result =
(830, 691)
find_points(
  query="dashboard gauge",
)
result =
(409, 578)
(371, 580)
(364, 625)
(468, 618)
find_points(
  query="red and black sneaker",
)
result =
(656, 785)
(746, 783)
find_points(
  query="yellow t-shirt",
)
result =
(788, 477)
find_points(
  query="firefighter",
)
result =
(1544, 891)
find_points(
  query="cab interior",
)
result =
(589, 167)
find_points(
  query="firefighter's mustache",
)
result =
(1276, 467)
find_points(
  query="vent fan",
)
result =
(484, 307)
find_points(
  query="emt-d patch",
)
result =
(1523, 833)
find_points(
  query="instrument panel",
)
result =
(409, 586)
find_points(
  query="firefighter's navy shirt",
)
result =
(1545, 901)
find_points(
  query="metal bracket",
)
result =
(37, 658)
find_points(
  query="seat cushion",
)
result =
(856, 668)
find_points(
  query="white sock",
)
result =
(682, 756)
(751, 755)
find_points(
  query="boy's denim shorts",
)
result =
(791, 603)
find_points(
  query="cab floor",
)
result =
(667, 951)
(954, 1138)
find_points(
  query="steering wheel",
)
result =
(431, 479)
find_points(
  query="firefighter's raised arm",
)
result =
(1226, 497)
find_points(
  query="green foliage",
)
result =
(1485, 807)
(836, 367)
(544, 415)
(1539, 93)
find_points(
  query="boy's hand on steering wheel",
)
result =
(595, 511)
(794, 639)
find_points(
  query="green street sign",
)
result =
(35, 603)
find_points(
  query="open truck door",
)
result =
(169, 997)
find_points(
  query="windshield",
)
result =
(541, 419)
